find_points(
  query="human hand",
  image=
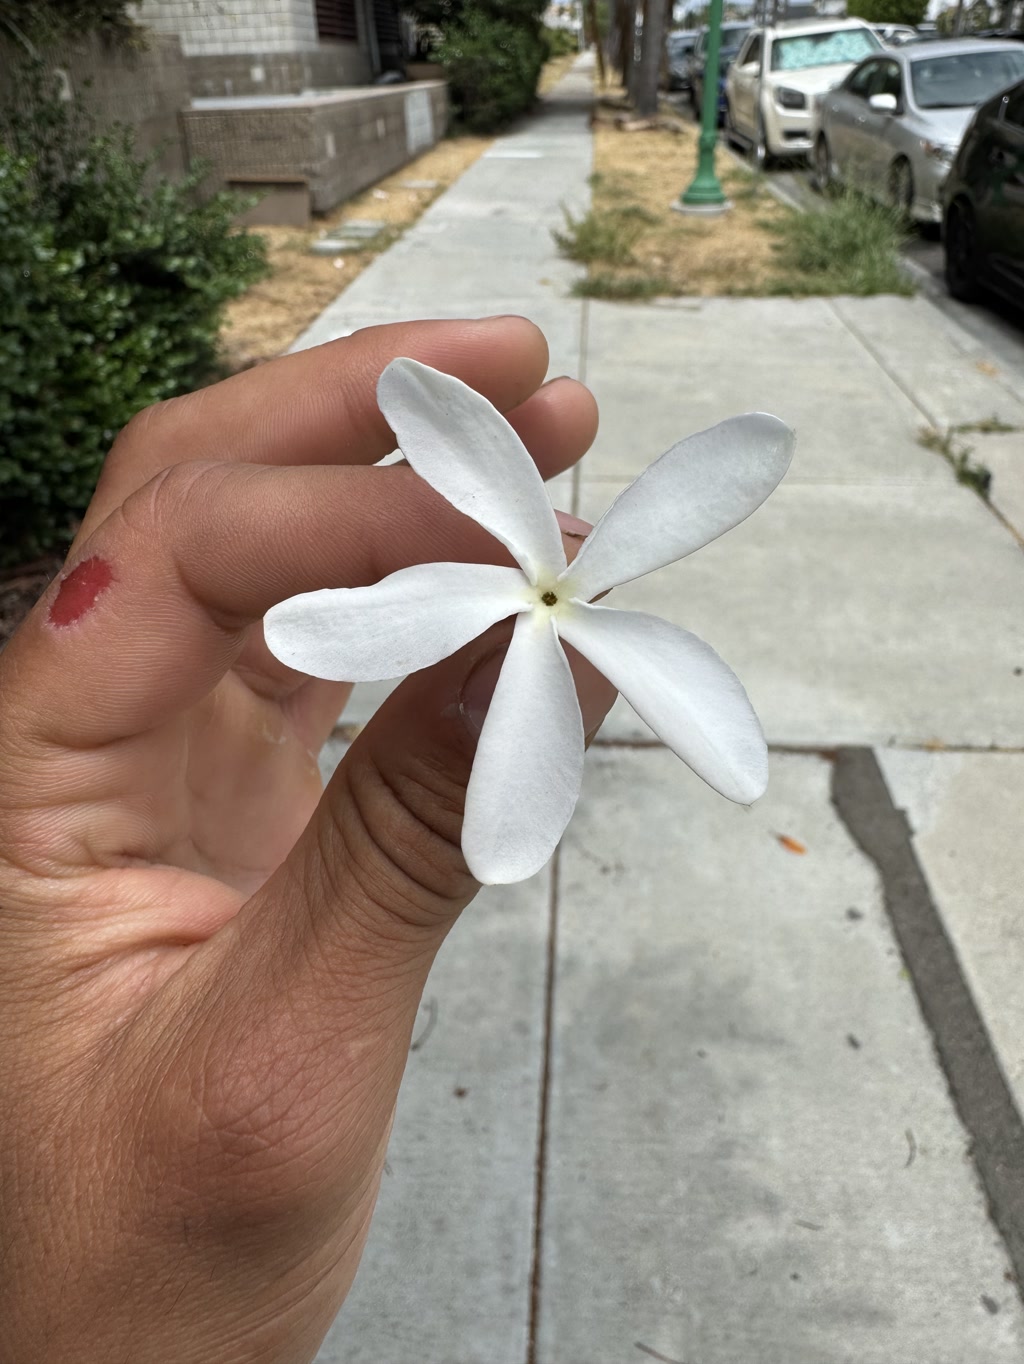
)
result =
(207, 978)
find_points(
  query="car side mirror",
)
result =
(883, 104)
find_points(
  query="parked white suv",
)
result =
(771, 86)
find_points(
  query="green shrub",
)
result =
(493, 65)
(558, 42)
(111, 291)
(888, 11)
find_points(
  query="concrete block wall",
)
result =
(341, 143)
(251, 47)
(143, 89)
(277, 73)
(216, 27)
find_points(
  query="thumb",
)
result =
(380, 865)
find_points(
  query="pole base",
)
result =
(708, 210)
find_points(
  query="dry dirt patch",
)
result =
(648, 169)
(269, 316)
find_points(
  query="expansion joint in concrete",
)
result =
(879, 360)
(965, 1052)
(540, 1178)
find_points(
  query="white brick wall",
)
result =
(209, 27)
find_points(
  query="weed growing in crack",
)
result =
(958, 455)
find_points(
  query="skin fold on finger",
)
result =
(318, 406)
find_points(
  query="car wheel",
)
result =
(962, 253)
(762, 156)
(824, 174)
(694, 102)
(901, 187)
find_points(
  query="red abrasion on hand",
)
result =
(79, 590)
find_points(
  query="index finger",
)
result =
(317, 406)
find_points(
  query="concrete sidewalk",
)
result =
(688, 1095)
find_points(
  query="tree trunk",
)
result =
(623, 25)
(650, 58)
(592, 31)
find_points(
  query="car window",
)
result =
(752, 51)
(732, 38)
(961, 81)
(886, 79)
(1013, 111)
(679, 44)
(823, 49)
(859, 80)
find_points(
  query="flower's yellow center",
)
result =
(549, 599)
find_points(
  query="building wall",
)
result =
(144, 90)
(340, 145)
(251, 47)
(216, 27)
(277, 73)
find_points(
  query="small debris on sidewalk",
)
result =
(912, 1149)
(792, 845)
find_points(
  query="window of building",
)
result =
(336, 21)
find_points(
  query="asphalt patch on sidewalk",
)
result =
(980, 1093)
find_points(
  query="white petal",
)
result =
(465, 449)
(405, 622)
(695, 492)
(679, 685)
(529, 761)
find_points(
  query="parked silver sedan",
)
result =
(892, 128)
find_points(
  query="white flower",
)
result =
(528, 769)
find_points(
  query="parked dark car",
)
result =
(983, 201)
(678, 49)
(732, 40)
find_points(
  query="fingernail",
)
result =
(572, 525)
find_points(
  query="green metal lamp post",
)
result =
(705, 194)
